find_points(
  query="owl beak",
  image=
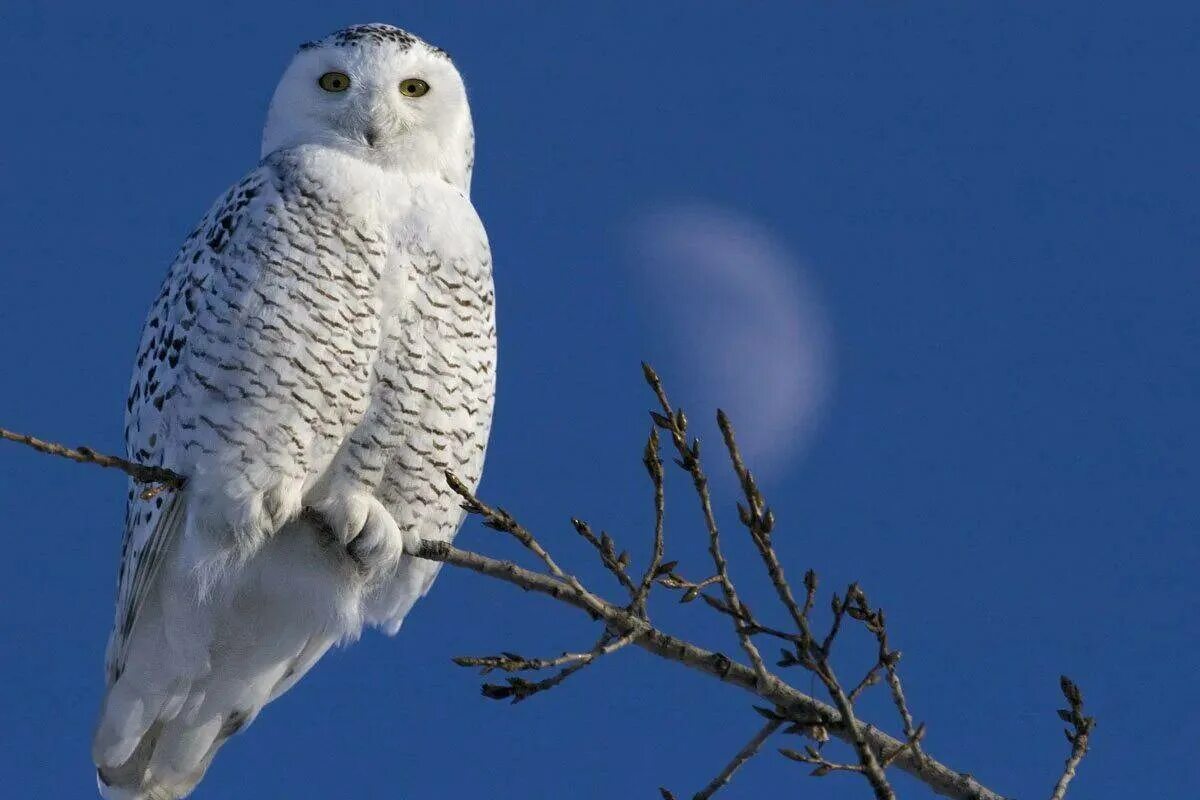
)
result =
(377, 125)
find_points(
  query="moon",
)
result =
(743, 323)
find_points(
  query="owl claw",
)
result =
(366, 530)
(378, 544)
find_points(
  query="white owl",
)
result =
(325, 338)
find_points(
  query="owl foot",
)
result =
(366, 531)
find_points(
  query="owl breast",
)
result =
(437, 362)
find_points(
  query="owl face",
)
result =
(378, 92)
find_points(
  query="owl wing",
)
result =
(151, 523)
(253, 365)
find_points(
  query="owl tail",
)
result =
(133, 781)
(199, 670)
(170, 758)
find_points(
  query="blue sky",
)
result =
(972, 229)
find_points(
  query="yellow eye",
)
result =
(334, 81)
(413, 87)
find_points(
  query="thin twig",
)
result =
(746, 618)
(142, 473)
(607, 550)
(654, 466)
(867, 756)
(1078, 737)
(759, 521)
(501, 520)
(673, 580)
(810, 597)
(511, 662)
(838, 607)
(869, 680)
(520, 689)
(824, 765)
(912, 744)
(889, 659)
(745, 754)
(689, 459)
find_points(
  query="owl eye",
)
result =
(334, 81)
(413, 87)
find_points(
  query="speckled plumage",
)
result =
(325, 338)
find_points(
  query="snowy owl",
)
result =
(324, 339)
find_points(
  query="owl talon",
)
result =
(366, 530)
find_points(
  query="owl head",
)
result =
(381, 94)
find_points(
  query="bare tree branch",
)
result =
(626, 624)
(939, 777)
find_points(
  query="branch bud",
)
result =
(664, 569)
